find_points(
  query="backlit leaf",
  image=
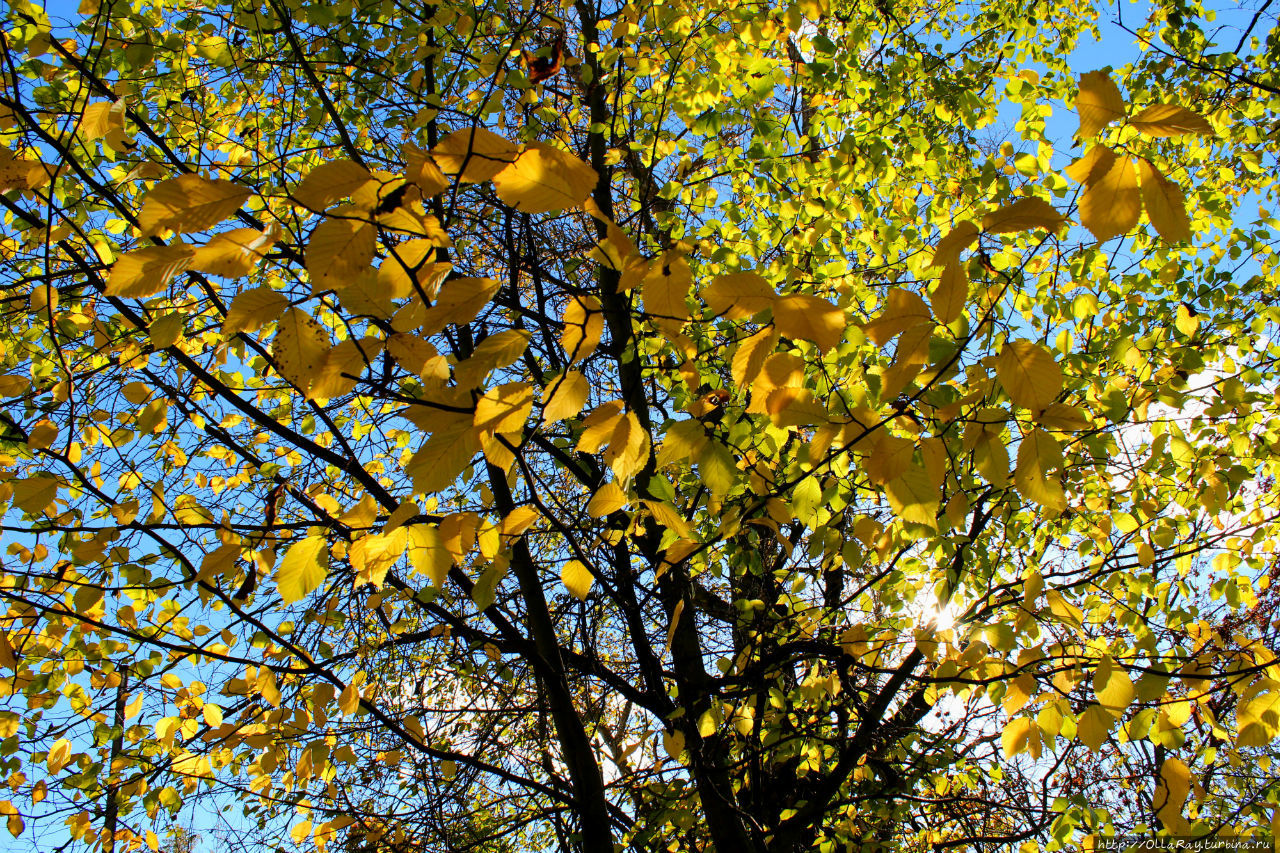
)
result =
(1029, 374)
(1023, 215)
(583, 326)
(329, 182)
(299, 347)
(253, 309)
(303, 568)
(809, 318)
(1110, 205)
(544, 179)
(565, 397)
(1171, 120)
(1099, 102)
(577, 578)
(474, 154)
(189, 203)
(737, 296)
(145, 272)
(1166, 207)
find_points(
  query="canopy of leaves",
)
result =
(778, 426)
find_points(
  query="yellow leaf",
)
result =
(1099, 102)
(1171, 120)
(1172, 789)
(673, 743)
(372, 556)
(422, 171)
(253, 309)
(145, 272)
(750, 356)
(22, 174)
(583, 326)
(338, 251)
(1165, 204)
(1029, 374)
(300, 833)
(1016, 736)
(1095, 163)
(1112, 687)
(577, 578)
(1061, 416)
(34, 494)
(1186, 320)
(329, 182)
(1110, 206)
(543, 179)
(349, 700)
(299, 348)
(903, 310)
(428, 552)
(303, 568)
(1093, 726)
(59, 755)
(408, 266)
(444, 456)
(739, 295)
(913, 497)
(665, 290)
(99, 119)
(343, 365)
(956, 241)
(490, 354)
(1023, 215)
(628, 447)
(1258, 716)
(504, 408)
(809, 318)
(1038, 457)
(564, 397)
(949, 295)
(460, 300)
(212, 715)
(518, 521)
(889, 459)
(235, 253)
(609, 498)
(189, 203)
(8, 657)
(474, 154)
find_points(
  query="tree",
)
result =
(685, 426)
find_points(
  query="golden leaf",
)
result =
(329, 182)
(543, 179)
(253, 309)
(338, 251)
(504, 408)
(739, 295)
(303, 569)
(474, 154)
(956, 241)
(460, 300)
(189, 203)
(903, 310)
(1099, 102)
(1110, 206)
(1165, 204)
(299, 348)
(608, 498)
(665, 290)
(577, 578)
(1029, 374)
(1023, 215)
(948, 297)
(1171, 120)
(233, 254)
(583, 327)
(564, 397)
(145, 272)
(1039, 456)
(809, 318)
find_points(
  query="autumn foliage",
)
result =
(603, 426)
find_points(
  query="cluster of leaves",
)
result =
(674, 426)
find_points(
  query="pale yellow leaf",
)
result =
(1095, 163)
(544, 179)
(428, 552)
(956, 241)
(233, 254)
(913, 497)
(59, 755)
(460, 300)
(189, 203)
(1061, 416)
(948, 297)
(750, 356)
(665, 290)
(493, 352)
(1039, 458)
(902, 310)
(1017, 734)
(1093, 726)
(739, 295)
(99, 119)
(1172, 789)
